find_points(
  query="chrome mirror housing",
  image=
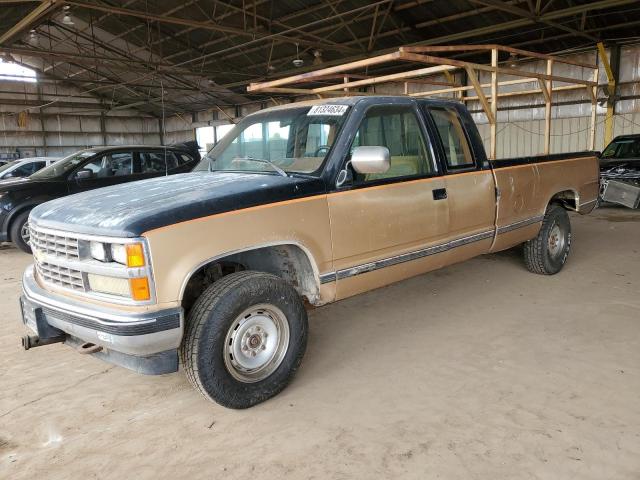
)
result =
(371, 159)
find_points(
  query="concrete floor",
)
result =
(481, 370)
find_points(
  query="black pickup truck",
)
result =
(82, 171)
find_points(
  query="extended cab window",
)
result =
(398, 129)
(454, 142)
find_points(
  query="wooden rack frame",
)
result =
(441, 65)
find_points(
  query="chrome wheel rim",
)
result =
(557, 241)
(256, 343)
(25, 234)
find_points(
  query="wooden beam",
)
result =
(519, 93)
(545, 92)
(547, 110)
(394, 77)
(257, 87)
(470, 87)
(502, 48)
(483, 99)
(34, 16)
(594, 109)
(507, 71)
(494, 105)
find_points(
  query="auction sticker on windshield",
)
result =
(337, 110)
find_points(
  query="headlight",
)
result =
(126, 273)
(98, 251)
(119, 253)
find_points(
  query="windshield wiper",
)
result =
(268, 162)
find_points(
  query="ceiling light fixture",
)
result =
(66, 19)
(513, 60)
(297, 62)
(33, 38)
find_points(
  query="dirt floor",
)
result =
(479, 371)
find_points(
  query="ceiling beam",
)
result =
(520, 12)
(207, 25)
(33, 17)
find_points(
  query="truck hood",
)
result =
(130, 209)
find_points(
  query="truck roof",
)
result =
(351, 100)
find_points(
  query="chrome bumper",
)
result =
(142, 334)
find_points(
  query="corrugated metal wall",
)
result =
(74, 121)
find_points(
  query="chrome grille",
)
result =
(54, 245)
(61, 276)
(50, 252)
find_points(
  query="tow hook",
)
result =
(32, 341)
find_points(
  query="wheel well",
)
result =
(15, 215)
(287, 261)
(567, 198)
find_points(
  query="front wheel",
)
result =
(245, 338)
(19, 233)
(547, 253)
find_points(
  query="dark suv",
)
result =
(85, 170)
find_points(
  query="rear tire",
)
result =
(19, 232)
(244, 339)
(547, 253)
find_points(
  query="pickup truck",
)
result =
(299, 205)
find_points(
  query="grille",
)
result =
(55, 245)
(61, 276)
(57, 248)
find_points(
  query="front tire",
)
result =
(547, 253)
(245, 338)
(19, 232)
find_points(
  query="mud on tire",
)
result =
(547, 253)
(244, 339)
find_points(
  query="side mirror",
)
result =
(9, 175)
(371, 159)
(84, 174)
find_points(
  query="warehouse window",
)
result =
(16, 73)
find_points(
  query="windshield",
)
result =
(9, 165)
(293, 140)
(64, 166)
(623, 148)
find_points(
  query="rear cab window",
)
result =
(455, 145)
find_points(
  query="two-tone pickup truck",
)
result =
(302, 203)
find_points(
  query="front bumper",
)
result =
(145, 342)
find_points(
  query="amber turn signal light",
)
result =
(140, 288)
(135, 255)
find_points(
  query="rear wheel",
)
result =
(547, 253)
(19, 232)
(245, 338)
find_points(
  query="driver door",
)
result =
(387, 227)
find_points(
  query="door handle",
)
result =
(439, 194)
